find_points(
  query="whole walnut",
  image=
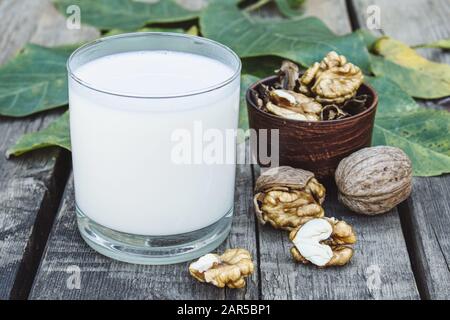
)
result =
(374, 180)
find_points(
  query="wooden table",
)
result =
(404, 254)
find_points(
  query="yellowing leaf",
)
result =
(193, 31)
(440, 44)
(418, 76)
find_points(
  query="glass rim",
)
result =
(93, 43)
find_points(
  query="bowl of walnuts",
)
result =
(322, 115)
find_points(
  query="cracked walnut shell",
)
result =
(289, 74)
(324, 242)
(333, 80)
(287, 197)
(374, 180)
(228, 269)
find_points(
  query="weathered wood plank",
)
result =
(380, 268)
(427, 215)
(332, 12)
(52, 30)
(427, 212)
(30, 185)
(19, 19)
(103, 278)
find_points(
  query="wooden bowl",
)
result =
(317, 146)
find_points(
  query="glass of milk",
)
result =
(153, 118)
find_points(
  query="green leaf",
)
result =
(440, 44)
(246, 81)
(127, 14)
(423, 135)
(261, 66)
(368, 37)
(302, 40)
(56, 134)
(391, 98)
(421, 132)
(416, 75)
(35, 80)
(290, 8)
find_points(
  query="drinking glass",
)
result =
(135, 201)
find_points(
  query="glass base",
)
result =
(153, 250)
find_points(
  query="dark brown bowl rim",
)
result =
(271, 78)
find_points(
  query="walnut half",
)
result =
(333, 80)
(324, 242)
(287, 197)
(228, 269)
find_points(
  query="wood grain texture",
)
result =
(51, 29)
(427, 212)
(30, 185)
(103, 278)
(380, 268)
(335, 12)
(17, 24)
(427, 215)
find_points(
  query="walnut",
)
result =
(333, 80)
(293, 105)
(324, 242)
(284, 112)
(228, 269)
(287, 197)
(374, 180)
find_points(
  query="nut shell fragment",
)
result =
(228, 269)
(324, 242)
(374, 180)
(332, 112)
(289, 73)
(287, 197)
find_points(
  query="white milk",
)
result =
(125, 178)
